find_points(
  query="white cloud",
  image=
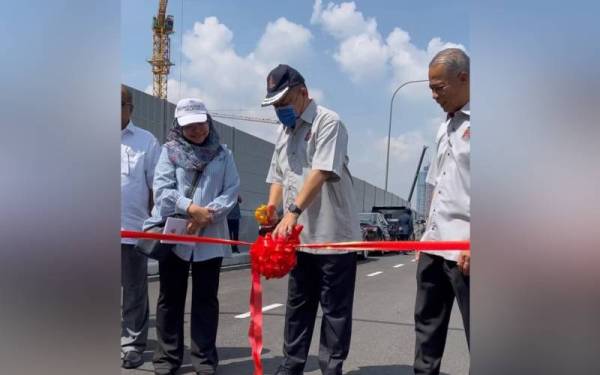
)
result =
(283, 40)
(404, 147)
(436, 44)
(405, 150)
(408, 62)
(225, 80)
(342, 21)
(214, 65)
(175, 91)
(364, 54)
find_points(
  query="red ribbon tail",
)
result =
(256, 322)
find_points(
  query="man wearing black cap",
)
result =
(309, 174)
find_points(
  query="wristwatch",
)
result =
(294, 209)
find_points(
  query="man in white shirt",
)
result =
(309, 175)
(443, 276)
(139, 153)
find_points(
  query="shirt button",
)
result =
(448, 154)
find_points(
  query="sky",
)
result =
(353, 55)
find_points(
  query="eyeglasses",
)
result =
(123, 104)
(438, 89)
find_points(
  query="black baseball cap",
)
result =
(279, 81)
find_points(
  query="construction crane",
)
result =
(162, 27)
(243, 118)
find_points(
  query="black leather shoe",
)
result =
(132, 359)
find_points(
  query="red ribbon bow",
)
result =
(271, 258)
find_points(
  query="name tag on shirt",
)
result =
(174, 225)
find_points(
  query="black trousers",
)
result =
(438, 282)
(135, 307)
(234, 230)
(204, 319)
(328, 280)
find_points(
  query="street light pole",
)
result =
(387, 159)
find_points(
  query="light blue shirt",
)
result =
(139, 154)
(218, 188)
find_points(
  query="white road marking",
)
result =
(414, 260)
(399, 265)
(374, 273)
(266, 308)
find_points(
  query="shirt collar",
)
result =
(310, 112)
(128, 129)
(466, 110)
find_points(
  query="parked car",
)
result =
(400, 219)
(374, 226)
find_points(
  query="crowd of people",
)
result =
(194, 176)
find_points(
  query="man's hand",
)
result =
(464, 262)
(201, 215)
(284, 228)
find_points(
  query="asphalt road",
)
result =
(383, 326)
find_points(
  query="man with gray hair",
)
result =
(444, 275)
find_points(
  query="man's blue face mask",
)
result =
(287, 115)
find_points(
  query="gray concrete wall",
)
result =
(252, 156)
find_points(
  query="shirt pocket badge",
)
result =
(467, 134)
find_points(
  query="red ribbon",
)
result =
(393, 245)
(369, 245)
(255, 329)
(256, 322)
(180, 238)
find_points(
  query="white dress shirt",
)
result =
(139, 153)
(450, 174)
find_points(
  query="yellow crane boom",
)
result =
(162, 28)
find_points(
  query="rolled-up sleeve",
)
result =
(331, 147)
(168, 200)
(227, 199)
